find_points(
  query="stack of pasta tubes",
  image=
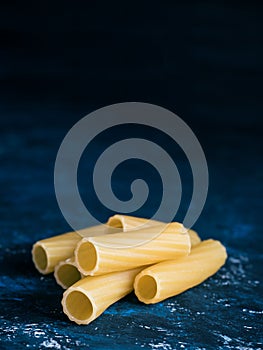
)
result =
(101, 264)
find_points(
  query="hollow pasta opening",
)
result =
(87, 256)
(40, 257)
(68, 275)
(115, 222)
(79, 306)
(147, 287)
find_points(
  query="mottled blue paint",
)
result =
(224, 312)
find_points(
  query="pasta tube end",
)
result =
(86, 257)
(78, 306)
(66, 274)
(40, 259)
(146, 288)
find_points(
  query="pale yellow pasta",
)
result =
(47, 253)
(194, 238)
(88, 298)
(123, 251)
(66, 273)
(127, 223)
(173, 277)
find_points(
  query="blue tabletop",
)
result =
(224, 311)
(203, 63)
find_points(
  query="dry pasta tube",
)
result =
(194, 238)
(88, 298)
(123, 251)
(66, 273)
(127, 223)
(47, 253)
(173, 277)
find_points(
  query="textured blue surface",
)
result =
(202, 60)
(224, 312)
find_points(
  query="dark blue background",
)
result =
(203, 61)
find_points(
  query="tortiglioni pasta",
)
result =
(66, 273)
(88, 298)
(128, 223)
(48, 252)
(172, 277)
(123, 251)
